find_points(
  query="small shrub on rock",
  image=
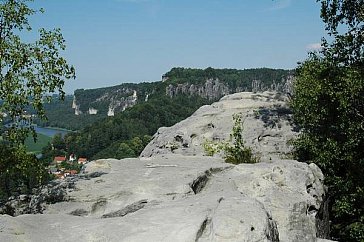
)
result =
(235, 153)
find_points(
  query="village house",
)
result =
(70, 173)
(72, 158)
(61, 172)
(82, 160)
(59, 159)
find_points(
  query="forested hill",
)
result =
(208, 83)
(88, 106)
(136, 111)
(233, 78)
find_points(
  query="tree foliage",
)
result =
(238, 152)
(233, 78)
(29, 71)
(100, 98)
(344, 21)
(127, 133)
(328, 105)
(19, 172)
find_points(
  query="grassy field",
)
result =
(42, 140)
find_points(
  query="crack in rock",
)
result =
(200, 182)
(128, 209)
(202, 228)
(79, 212)
(88, 176)
(272, 232)
(99, 205)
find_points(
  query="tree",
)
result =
(19, 172)
(344, 21)
(328, 105)
(29, 72)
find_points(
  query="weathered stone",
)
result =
(267, 127)
(54, 192)
(174, 193)
(180, 198)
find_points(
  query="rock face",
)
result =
(112, 101)
(122, 104)
(212, 89)
(267, 127)
(55, 191)
(180, 198)
(178, 194)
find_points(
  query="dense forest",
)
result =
(60, 113)
(128, 132)
(233, 78)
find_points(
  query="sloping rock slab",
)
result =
(180, 198)
(267, 127)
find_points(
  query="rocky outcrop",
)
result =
(110, 102)
(267, 127)
(212, 89)
(180, 198)
(55, 191)
(175, 193)
(76, 107)
(284, 86)
(92, 111)
(122, 103)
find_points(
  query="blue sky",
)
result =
(114, 41)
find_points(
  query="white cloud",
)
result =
(314, 46)
(280, 4)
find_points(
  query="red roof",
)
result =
(82, 159)
(59, 158)
(73, 172)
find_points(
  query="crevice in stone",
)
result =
(89, 176)
(128, 209)
(100, 204)
(200, 182)
(202, 228)
(323, 219)
(309, 187)
(272, 233)
(312, 210)
(178, 138)
(79, 212)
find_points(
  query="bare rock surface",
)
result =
(180, 198)
(267, 127)
(175, 193)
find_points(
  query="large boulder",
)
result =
(267, 127)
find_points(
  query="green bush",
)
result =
(328, 106)
(236, 153)
(19, 172)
